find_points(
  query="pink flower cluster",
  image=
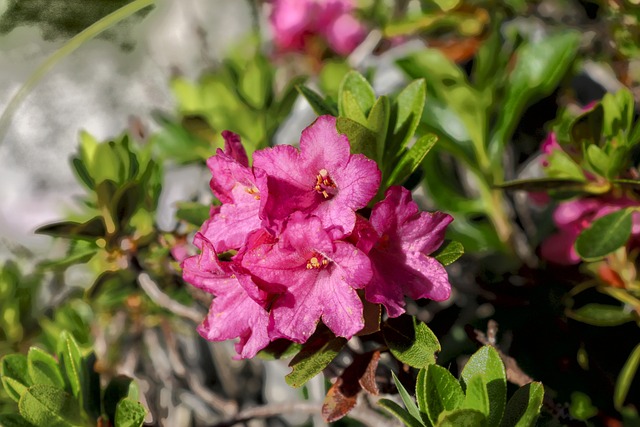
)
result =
(289, 247)
(296, 22)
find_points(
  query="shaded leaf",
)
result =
(118, 388)
(43, 368)
(524, 406)
(89, 230)
(279, 349)
(411, 341)
(411, 159)
(601, 315)
(604, 235)
(13, 420)
(362, 139)
(397, 411)
(15, 375)
(319, 350)
(625, 377)
(319, 105)
(129, 413)
(462, 418)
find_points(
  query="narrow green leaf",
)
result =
(129, 413)
(362, 139)
(625, 377)
(437, 391)
(319, 105)
(43, 368)
(378, 122)
(486, 364)
(449, 252)
(71, 362)
(463, 418)
(410, 103)
(48, 406)
(605, 235)
(602, 315)
(401, 414)
(360, 90)
(409, 404)
(411, 341)
(15, 375)
(411, 159)
(319, 350)
(82, 173)
(89, 230)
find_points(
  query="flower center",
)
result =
(324, 184)
(253, 191)
(317, 261)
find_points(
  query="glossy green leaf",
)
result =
(48, 406)
(410, 341)
(89, 230)
(407, 400)
(15, 375)
(449, 252)
(486, 364)
(319, 105)
(360, 92)
(362, 139)
(605, 235)
(602, 314)
(70, 359)
(43, 368)
(400, 413)
(462, 418)
(625, 377)
(129, 413)
(524, 406)
(319, 350)
(410, 103)
(476, 395)
(411, 159)
(437, 391)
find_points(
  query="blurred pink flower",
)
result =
(295, 22)
(573, 216)
(400, 259)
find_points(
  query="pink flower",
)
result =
(238, 309)
(571, 217)
(323, 178)
(295, 22)
(243, 192)
(400, 260)
(320, 276)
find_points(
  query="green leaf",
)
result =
(81, 172)
(48, 406)
(601, 315)
(351, 109)
(13, 420)
(581, 407)
(129, 413)
(524, 406)
(193, 212)
(89, 230)
(546, 184)
(462, 418)
(587, 127)
(437, 391)
(410, 341)
(125, 203)
(362, 139)
(378, 122)
(319, 350)
(476, 395)
(91, 393)
(71, 362)
(540, 65)
(15, 375)
(604, 235)
(332, 75)
(319, 105)
(410, 103)
(625, 377)
(255, 83)
(486, 364)
(561, 165)
(409, 404)
(118, 388)
(449, 252)
(598, 160)
(397, 411)
(361, 92)
(43, 368)
(411, 159)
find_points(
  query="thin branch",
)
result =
(163, 300)
(268, 411)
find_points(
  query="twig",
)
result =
(165, 301)
(268, 411)
(515, 374)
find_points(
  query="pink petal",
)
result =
(344, 34)
(233, 147)
(342, 307)
(322, 147)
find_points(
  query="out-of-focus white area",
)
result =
(97, 88)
